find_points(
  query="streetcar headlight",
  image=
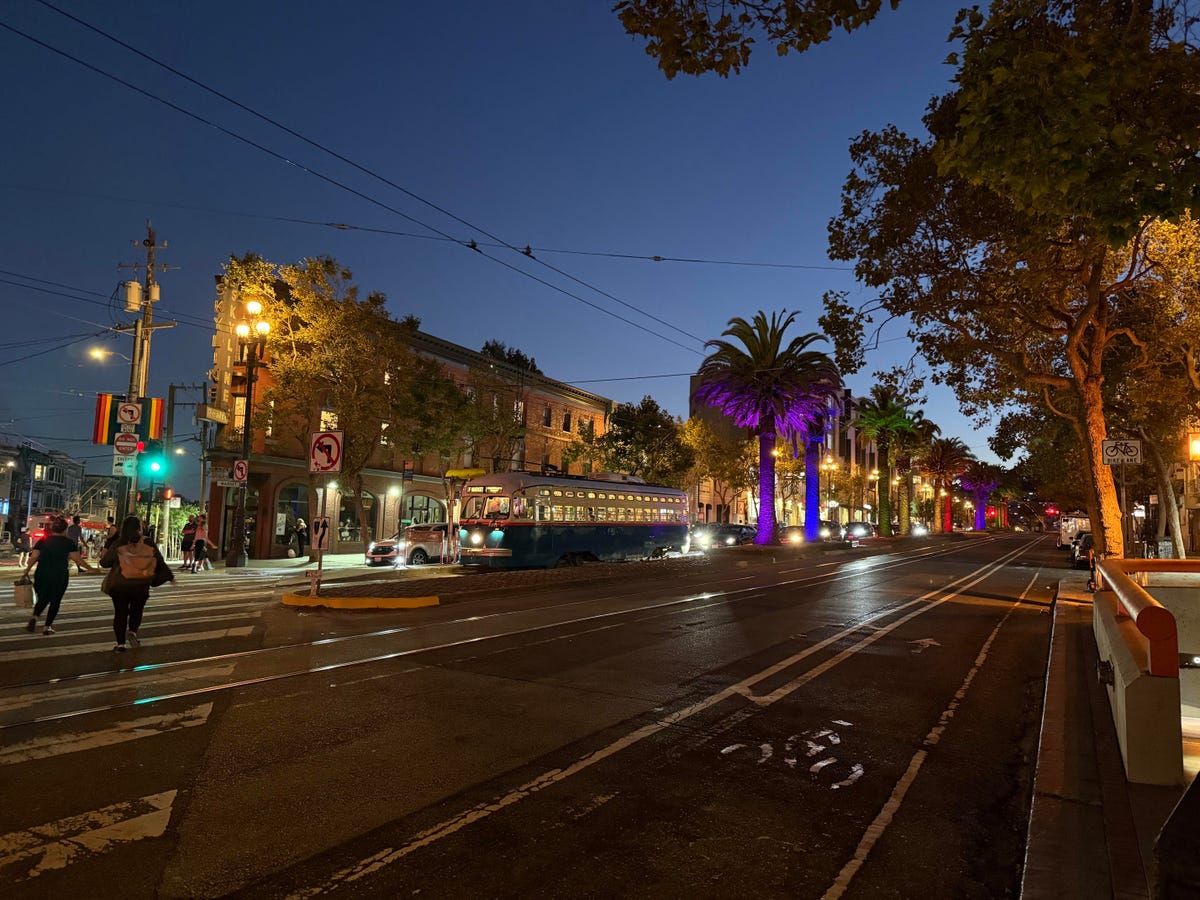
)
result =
(477, 538)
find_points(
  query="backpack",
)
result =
(137, 562)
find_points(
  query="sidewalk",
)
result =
(1091, 833)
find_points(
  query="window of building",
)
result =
(349, 527)
(418, 509)
(519, 411)
(292, 505)
(546, 416)
(566, 421)
(384, 439)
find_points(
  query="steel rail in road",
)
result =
(856, 569)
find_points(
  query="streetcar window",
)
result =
(520, 508)
(474, 508)
(497, 508)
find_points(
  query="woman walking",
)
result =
(301, 536)
(133, 562)
(53, 556)
(186, 543)
(201, 545)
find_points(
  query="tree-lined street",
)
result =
(695, 725)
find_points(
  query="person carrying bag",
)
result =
(134, 567)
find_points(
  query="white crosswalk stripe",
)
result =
(46, 647)
(59, 744)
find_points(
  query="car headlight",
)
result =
(796, 538)
(825, 532)
(920, 530)
(371, 547)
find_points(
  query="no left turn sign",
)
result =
(325, 451)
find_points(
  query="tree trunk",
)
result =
(885, 498)
(1166, 496)
(1103, 508)
(903, 496)
(812, 491)
(363, 534)
(766, 489)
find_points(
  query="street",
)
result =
(858, 724)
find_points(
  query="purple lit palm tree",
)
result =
(979, 480)
(776, 391)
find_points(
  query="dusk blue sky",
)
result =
(541, 122)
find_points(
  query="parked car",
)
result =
(860, 530)
(1084, 551)
(715, 536)
(831, 531)
(417, 545)
(791, 534)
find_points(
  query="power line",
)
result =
(373, 229)
(54, 349)
(330, 180)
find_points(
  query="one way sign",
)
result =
(320, 533)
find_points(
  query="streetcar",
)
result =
(529, 520)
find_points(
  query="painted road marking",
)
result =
(881, 822)
(923, 604)
(59, 744)
(46, 647)
(36, 694)
(148, 626)
(57, 845)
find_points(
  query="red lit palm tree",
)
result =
(776, 390)
(945, 460)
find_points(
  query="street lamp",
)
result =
(101, 354)
(251, 333)
(829, 466)
(874, 479)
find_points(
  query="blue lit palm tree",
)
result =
(775, 390)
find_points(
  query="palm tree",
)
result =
(772, 389)
(945, 460)
(979, 479)
(907, 446)
(881, 419)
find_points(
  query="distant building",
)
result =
(36, 479)
(551, 415)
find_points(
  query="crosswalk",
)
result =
(86, 773)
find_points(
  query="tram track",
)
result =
(194, 667)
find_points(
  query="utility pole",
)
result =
(137, 300)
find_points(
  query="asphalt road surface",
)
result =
(750, 725)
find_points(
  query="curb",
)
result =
(360, 602)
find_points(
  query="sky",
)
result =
(537, 123)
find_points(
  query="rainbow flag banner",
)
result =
(114, 415)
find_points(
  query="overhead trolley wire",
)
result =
(333, 181)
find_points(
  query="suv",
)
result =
(830, 531)
(714, 536)
(417, 545)
(860, 530)
(1083, 550)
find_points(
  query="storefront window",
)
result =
(349, 528)
(292, 505)
(418, 509)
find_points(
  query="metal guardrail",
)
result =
(1153, 620)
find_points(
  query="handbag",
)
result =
(110, 581)
(23, 592)
(162, 573)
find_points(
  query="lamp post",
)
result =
(874, 479)
(251, 333)
(829, 466)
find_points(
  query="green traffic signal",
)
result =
(152, 462)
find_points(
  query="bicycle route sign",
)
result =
(1121, 452)
(325, 451)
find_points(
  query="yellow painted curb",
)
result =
(359, 602)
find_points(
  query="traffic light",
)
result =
(168, 493)
(152, 462)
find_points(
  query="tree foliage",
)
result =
(699, 36)
(645, 440)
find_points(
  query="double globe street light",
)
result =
(251, 331)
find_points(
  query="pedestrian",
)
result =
(110, 533)
(53, 556)
(75, 533)
(22, 544)
(301, 536)
(133, 561)
(201, 546)
(187, 540)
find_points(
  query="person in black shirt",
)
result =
(52, 555)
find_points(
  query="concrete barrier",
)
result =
(1138, 649)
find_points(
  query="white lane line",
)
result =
(45, 646)
(36, 693)
(74, 742)
(480, 811)
(158, 624)
(881, 822)
(56, 845)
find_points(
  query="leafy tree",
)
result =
(945, 460)
(495, 428)
(772, 389)
(645, 440)
(910, 444)
(586, 447)
(511, 355)
(698, 36)
(979, 479)
(727, 462)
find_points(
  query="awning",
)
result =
(465, 474)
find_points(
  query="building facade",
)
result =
(396, 489)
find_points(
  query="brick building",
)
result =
(548, 416)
